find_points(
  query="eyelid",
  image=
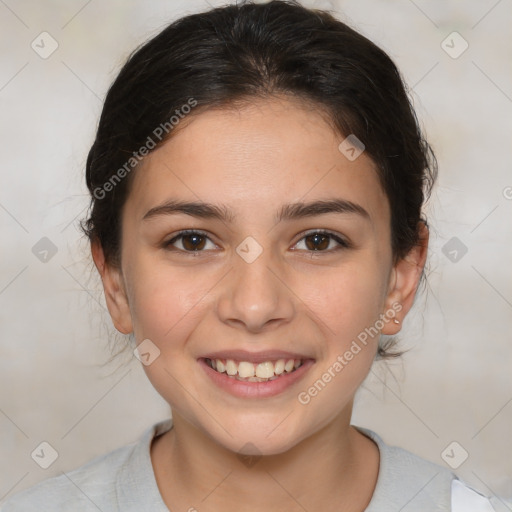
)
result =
(190, 231)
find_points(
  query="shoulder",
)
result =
(82, 489)
(120, 480)
(407, 480)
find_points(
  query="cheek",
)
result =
(167, 302)
(348, 309)
(162, 309)
(344, 300)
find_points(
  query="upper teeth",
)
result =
(264, 370)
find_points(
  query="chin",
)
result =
(260, 440)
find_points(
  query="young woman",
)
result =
(257, 184)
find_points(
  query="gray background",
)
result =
(455, 382)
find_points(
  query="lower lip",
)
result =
(247, 389)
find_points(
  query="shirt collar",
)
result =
(137, 489)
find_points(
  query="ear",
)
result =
(404, 280)
(113, 286)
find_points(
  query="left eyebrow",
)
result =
(300, 210)
(289, 211)
(192, 208)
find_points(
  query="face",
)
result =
(287, 257)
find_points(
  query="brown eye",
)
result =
(190, 241)
(193, 242)
(323, 241)
(317, 242)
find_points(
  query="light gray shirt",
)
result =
(124, 480)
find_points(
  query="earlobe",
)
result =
(114, 289)
(404, 281)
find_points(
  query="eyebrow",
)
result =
(289, 211)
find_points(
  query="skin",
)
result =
(253, 159)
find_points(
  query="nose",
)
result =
(255, 297)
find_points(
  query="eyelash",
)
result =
(343, 244)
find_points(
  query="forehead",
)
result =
(254, 157)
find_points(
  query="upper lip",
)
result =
(255, 357)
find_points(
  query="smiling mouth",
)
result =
(254, 372)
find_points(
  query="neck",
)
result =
(335, 469)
